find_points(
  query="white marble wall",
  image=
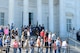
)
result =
(70, 7)
(62, 19)
(4, 9)
(60, 9)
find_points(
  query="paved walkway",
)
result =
(71, 49)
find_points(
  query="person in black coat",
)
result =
(78, 35)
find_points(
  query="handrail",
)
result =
(74, 41)
(31, 47)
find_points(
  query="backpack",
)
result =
(15, 44)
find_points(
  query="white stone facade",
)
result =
(54, 14)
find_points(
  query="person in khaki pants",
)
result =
(0, 49)
(26, 45)
(38, 44)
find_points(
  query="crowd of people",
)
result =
(9, 38)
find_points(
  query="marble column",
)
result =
(25, 12)
(39, 11)
(11, 11)
(51, 16)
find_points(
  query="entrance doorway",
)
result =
(30, 18)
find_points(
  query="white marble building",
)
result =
(58, 16)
